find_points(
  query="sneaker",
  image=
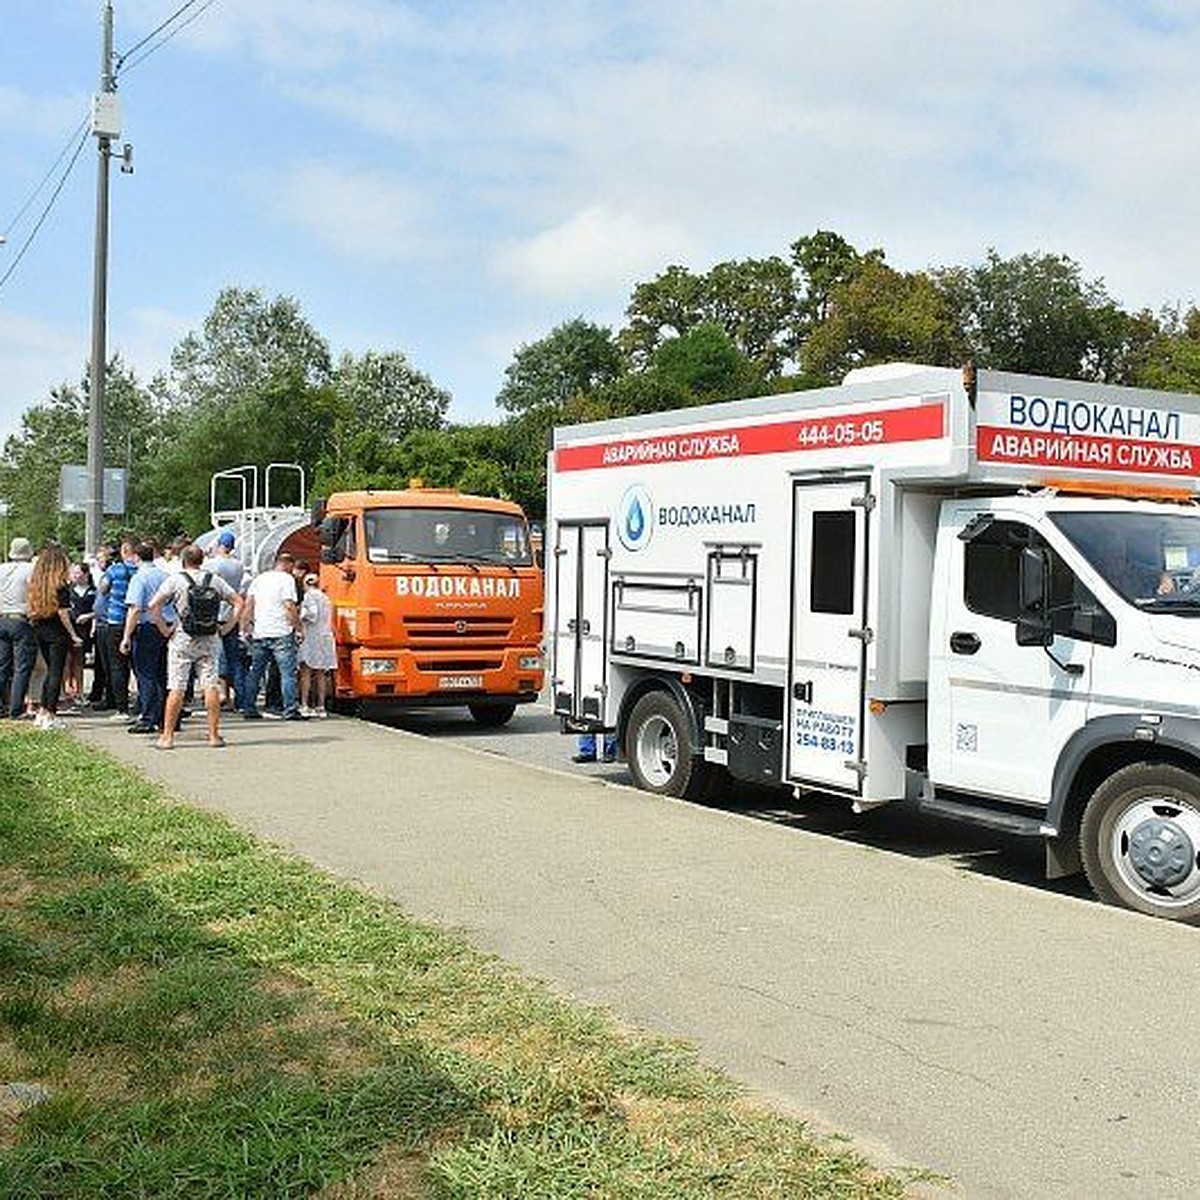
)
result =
(319, 713)
(53, 723)
(119, 716)
(272, 714)
(143, 727)
(251, 714)
(582, 758)
(295, 715)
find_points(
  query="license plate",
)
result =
(450, 682)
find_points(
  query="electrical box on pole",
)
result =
(106, 115)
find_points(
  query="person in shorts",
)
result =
(187, 652)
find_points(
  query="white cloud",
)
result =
(37, 357)
(370, 216)
(47, 116)
(590, 253)
(146, 338)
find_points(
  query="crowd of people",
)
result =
(157, 628)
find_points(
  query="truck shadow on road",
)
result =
(533, 737)
(901, 829)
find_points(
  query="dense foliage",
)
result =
(257, 384)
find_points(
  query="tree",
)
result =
(245, 341)
(705, 364)
(252, 386)
(375, 401)
(824, 261)
(384, 392)
(573, 359)
(879, 315)
(1035, 313)
(752, 301)
(1168, 356)
(54, 434)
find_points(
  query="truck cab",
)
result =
(437, 600)
(1064, 657)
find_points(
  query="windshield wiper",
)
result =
(1171, 602)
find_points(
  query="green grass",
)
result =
(214, 1018)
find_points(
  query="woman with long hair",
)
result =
(50, 614)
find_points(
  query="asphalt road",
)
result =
(914, 985)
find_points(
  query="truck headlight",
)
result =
(377, 666)
(530, 662)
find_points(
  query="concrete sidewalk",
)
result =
(1024, 1043)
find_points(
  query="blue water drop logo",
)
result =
(635, 518)
(635, 521)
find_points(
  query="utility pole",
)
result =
(106, 125)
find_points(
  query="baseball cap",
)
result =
(226, 539)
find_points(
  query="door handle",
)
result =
(965, 643)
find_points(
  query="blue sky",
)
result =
(452, 180)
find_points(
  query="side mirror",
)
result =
(317, 513)
(1033, 619)
(330, 530)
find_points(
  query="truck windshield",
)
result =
(446, 535)
(1151, 559)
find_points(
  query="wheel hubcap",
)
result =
(1154, 845)
(657, 751)
(1161, 853)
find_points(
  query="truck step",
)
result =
(961, 808)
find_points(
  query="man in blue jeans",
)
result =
(18, 646)
(271, 617)
(585, 748)
(143, 643)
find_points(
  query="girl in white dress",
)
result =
(318, 654)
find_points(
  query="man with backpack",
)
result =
(194, 640)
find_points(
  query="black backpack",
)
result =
(203, 612)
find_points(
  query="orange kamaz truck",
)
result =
(437, 595)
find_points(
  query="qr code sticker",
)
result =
(967, 738)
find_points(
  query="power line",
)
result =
(125, 61)
(82, 136)
(45, 178)
(169, 28)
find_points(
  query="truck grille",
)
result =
(457, 633)
(466, 665)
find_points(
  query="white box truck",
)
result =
(977, 594)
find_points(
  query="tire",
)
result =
(492, 716)
(658, 750)
(1140, 841)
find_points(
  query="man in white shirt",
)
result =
(18, 646)
(271, 617)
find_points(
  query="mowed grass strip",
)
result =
(213, 1018)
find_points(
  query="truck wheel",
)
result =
(492, 716)
(658, 749)
(1140, 841)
